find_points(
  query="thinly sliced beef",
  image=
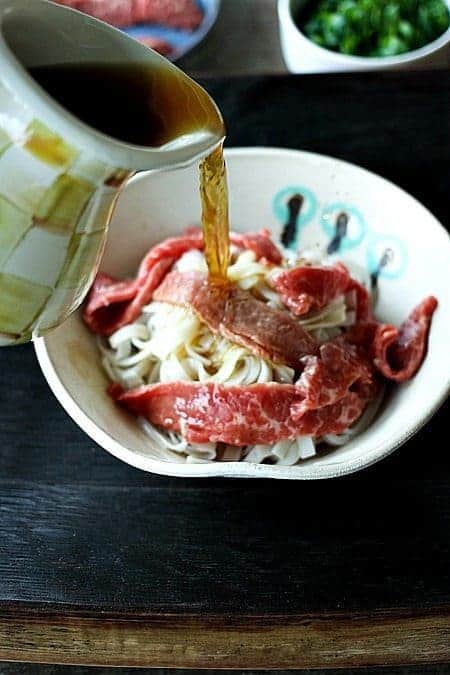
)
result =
(107, 303)
(309, 288)
(330, 376)
(260, 243)
(399, 352)
(336, 381)
(114, 12)
(112, 304)
(320, 402)
(254, 414)
(183, 14)
(237, 315)
(305, 289)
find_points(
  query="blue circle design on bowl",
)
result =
(386, 256)
(329, 218)
(307, 212)
(182, 41)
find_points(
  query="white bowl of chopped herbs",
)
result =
(340, 35)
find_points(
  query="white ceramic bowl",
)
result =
(301, 55)
(157, 205)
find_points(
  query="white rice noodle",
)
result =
(167, 441)
(286, 453)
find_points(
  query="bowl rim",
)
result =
(210, 10)
(243, 469)
(211, 14)
(285, 16)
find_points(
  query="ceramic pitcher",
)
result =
(59, 178)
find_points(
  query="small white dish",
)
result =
(301, 55)
(262, 180)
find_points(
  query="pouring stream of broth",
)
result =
(151, 107)
(215, 225)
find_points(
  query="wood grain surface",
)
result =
(103, 564)
(249, 642)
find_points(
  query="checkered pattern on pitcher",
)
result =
(55, 204)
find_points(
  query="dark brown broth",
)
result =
(214, 198)
(150, 107)
(138, 104)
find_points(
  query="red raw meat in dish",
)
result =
(336, 380)
(328, 377)
(112, 304)
(114, 12)
(308, 288)
(182, 14)
(325, 400)
(259, 242)
(237, 315)
(399, 352)
(239, 415)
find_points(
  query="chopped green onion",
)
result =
(374, 27)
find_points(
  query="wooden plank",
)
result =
(291, 642)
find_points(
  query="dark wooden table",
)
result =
(102, 564)
(244, 41)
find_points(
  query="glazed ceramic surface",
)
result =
(55, 202)
(346, 212)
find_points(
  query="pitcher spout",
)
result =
(67, 146)
(39, 35)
